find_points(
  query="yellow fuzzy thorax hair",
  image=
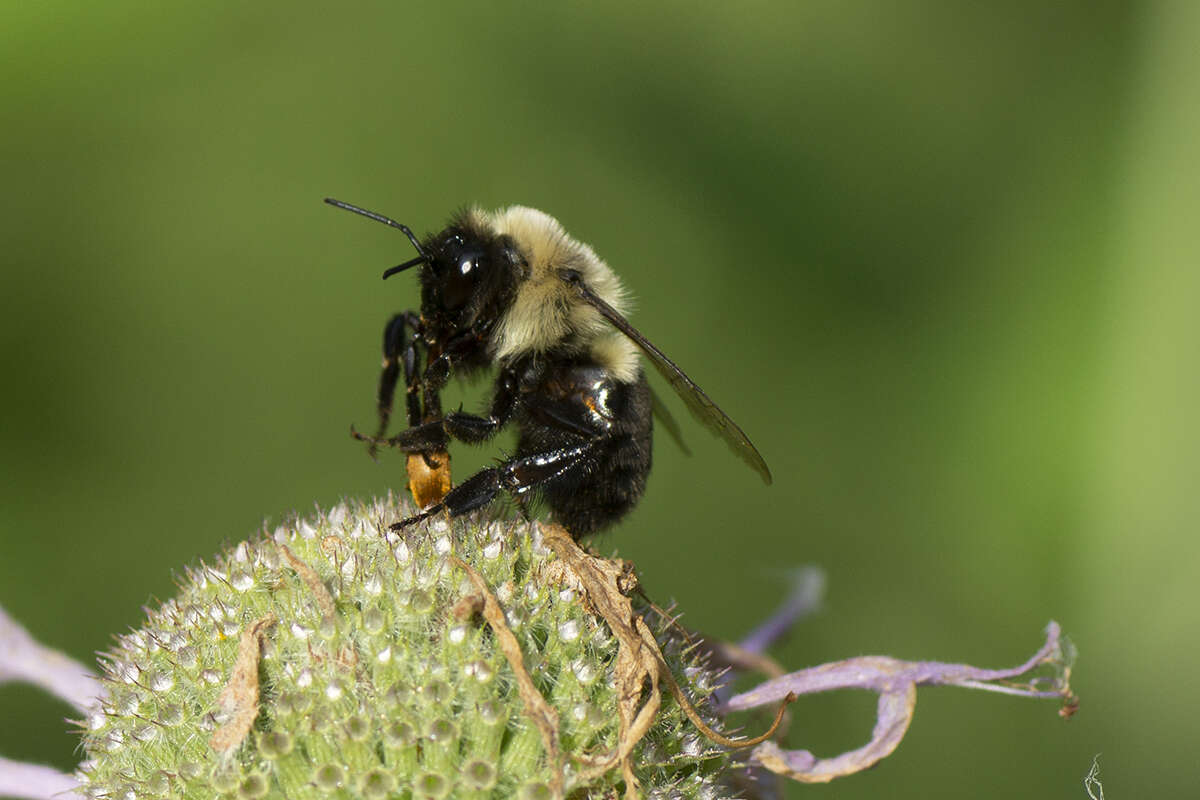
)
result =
(546, 312)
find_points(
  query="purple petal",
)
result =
(35, 782)
(808, 586)
(23, 658)
(893, 715)
(896, 683)
(882, 673)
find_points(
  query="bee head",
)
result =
(469, 272)
(457, 269)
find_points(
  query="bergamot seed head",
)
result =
(333, 657)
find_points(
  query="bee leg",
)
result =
(516, 476)
(441, 364)
(412, 383)
(375, 441)
(434, 436)
(429, 437)
(399, 352)
(475, 492)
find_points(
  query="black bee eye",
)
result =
(571, 276)
(460, 280)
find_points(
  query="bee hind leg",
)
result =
(517, 476)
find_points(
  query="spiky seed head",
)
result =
(372, 680)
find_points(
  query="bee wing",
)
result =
(700, 404)
(660, 410)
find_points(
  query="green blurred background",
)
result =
(939, 262)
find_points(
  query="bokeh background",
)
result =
(940, 262)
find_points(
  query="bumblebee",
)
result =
(510, 289)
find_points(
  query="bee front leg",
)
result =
(429, 471)
(400, 338)
(442, 359)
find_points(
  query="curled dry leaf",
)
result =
(607, 586)
(313, 581)
(345, 656)
(538, 710)
(238, 701)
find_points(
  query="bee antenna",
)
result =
(412, 262)
(423, 256)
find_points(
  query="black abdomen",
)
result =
(582, 407)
